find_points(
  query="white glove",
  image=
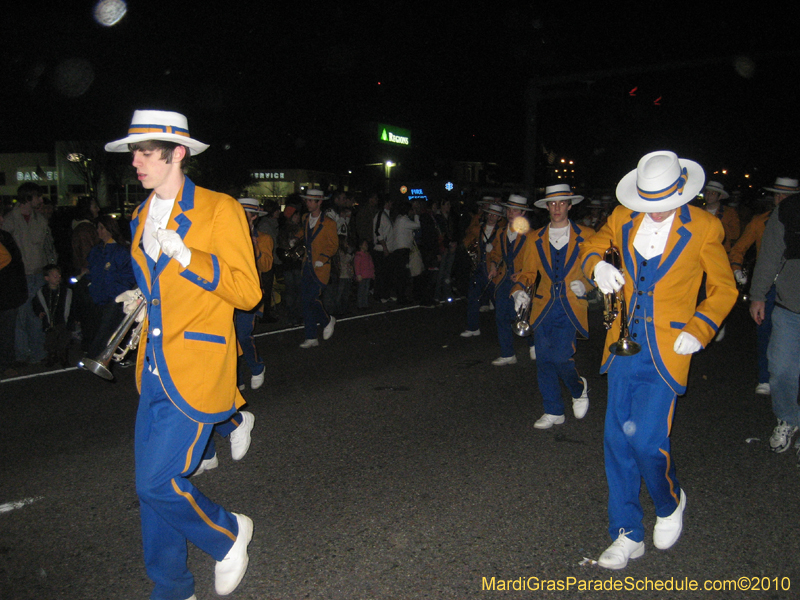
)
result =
(740, 277)
(521, 300)
(489, 248)
(608, 278)
(130, 302)
(577, 288)
(318, 264)
(172, 245)
(687, 344)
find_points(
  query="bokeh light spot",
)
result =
(109, 12)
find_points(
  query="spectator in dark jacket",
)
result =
(13, 294)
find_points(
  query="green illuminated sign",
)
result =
(395, 136)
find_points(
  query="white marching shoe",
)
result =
(310, 343)
(668, 529)
(240, 437)
(206, 465)
(581, 404)
(471, 333)
(763, 389)
(620, 552)
(547, 421)
(256, 381)
(328, 331)
(504, 360)
(228, 572)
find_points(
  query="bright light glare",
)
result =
(109, 12)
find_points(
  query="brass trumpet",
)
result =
(114, 351)
(294, 254)
(614, 306)
(522, 325)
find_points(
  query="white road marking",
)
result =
(9, 506)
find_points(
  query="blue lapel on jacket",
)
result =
(141, 269)
(685, 235)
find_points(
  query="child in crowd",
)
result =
(52, 304)
(345, 275)
(365, 273)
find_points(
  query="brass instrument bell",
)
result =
(614, 306)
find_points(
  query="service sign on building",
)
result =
(394, 136)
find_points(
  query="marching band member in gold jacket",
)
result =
(714, 194)
(319, 234)
(480, 240)
(505, 265)
(559, 310)
(194, 265)
(666, 246)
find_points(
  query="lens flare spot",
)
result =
(520, 225)
(109, 12)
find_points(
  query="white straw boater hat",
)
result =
(560, 191)
(495, 209)
(252, 205)
(314, 195)
(661, 182)
(716, 186)
(162, 125)
(784, 185)
(518, 202)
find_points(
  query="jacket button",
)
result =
(649, 319)
(156, 302)
(156, 332)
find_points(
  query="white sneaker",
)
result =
(484, 308)
(328, 331)
(228, 572)
(581, 404)
(533, 352)
(617, 554)
(547, 421)
(471, 333)
(241, 387)
(763, 389)
(240, 437)
(256, 381)
(720, 334)
(206, 465)
(504, 360)
(781, 438)
(310, 343)
(668, 529)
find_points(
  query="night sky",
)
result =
(291, 82)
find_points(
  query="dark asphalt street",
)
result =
(395, 462)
